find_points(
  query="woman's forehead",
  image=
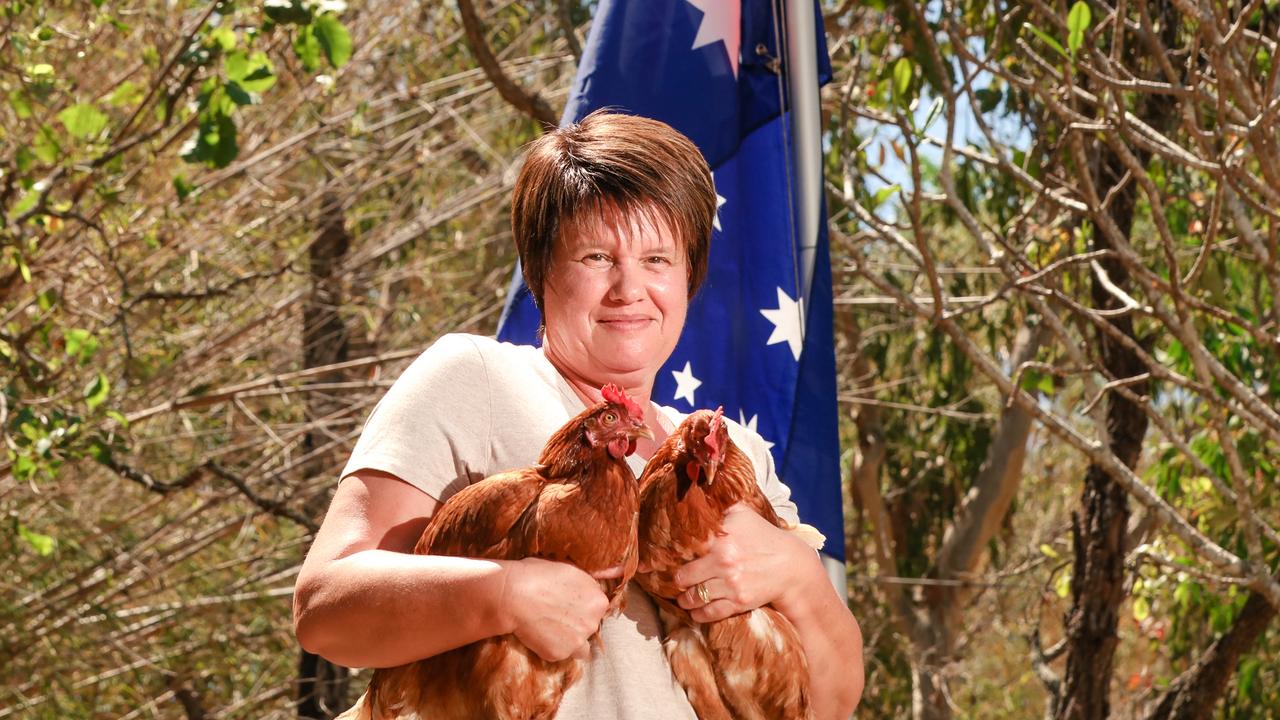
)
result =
(638, 226)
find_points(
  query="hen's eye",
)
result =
(610, 418)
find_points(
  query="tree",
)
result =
(1116, 183)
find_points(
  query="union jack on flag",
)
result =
(714, 70)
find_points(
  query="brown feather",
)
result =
(578, 505)
(746, 666)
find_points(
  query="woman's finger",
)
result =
(695, 571)
(702, 594)
(715, 611)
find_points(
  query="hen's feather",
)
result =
(746, 666)
(578, 505)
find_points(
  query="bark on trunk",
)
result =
(322, 686)
(1195, 692)
(1098, 527)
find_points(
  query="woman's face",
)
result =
(615, 298)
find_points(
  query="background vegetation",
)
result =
(228, 226)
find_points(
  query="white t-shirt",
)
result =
(469, 407)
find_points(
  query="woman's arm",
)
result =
(755, 563)
(362, 600)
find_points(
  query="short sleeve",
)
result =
(777, 493)
(432, 427)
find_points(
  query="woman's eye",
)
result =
(659, 260)
(596, 260)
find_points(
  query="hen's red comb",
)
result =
(616, 395)
(713, 437)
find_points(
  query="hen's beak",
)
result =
(710, 470)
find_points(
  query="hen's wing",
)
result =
(478, 521)
(760, 665)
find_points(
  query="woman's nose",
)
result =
(627, 284)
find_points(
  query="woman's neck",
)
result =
(589, 392)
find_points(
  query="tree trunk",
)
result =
(1195, 692)
(322, 686)
(1098, 527)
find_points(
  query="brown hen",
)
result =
(577, 505)
(749, 666)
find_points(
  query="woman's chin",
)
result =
(636, 364)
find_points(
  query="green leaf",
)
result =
(252, 73)
(80, 344)
(236, 65)
(224, 37)
(45, 145)
(334, 38)
(261, 75)
(237, 93)
(18, 101)
(1078, 20)
(1077, 23)
(1248, 676)
(1183, 594)
(182, 186)
(96, 391)
(42, 544)
(884, 194)
(988, 99)
(127, 93)
(215, 141)
(1047, 40)
(934, 110)
(1062, 586)
(307, 48)
(902, 72)
(1141, 609)
(25, 203)
(83, 121)
(1048, 551)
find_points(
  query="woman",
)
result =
(612, 219)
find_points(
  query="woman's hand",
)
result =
(554, 608)
(752, 563)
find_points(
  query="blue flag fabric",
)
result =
(710, 69)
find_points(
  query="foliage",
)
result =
(173, 174)
(167, 172)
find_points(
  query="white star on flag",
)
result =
(686, 383)
(719, 201)
(751, 425)
(721, 21)
(788, 323)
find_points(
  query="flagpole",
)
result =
(806, 131)
(806, 143)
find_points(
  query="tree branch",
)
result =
(529, 103)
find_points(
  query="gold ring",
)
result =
(703, 595)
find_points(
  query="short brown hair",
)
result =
(611, 162)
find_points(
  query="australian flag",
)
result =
(713, 69)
